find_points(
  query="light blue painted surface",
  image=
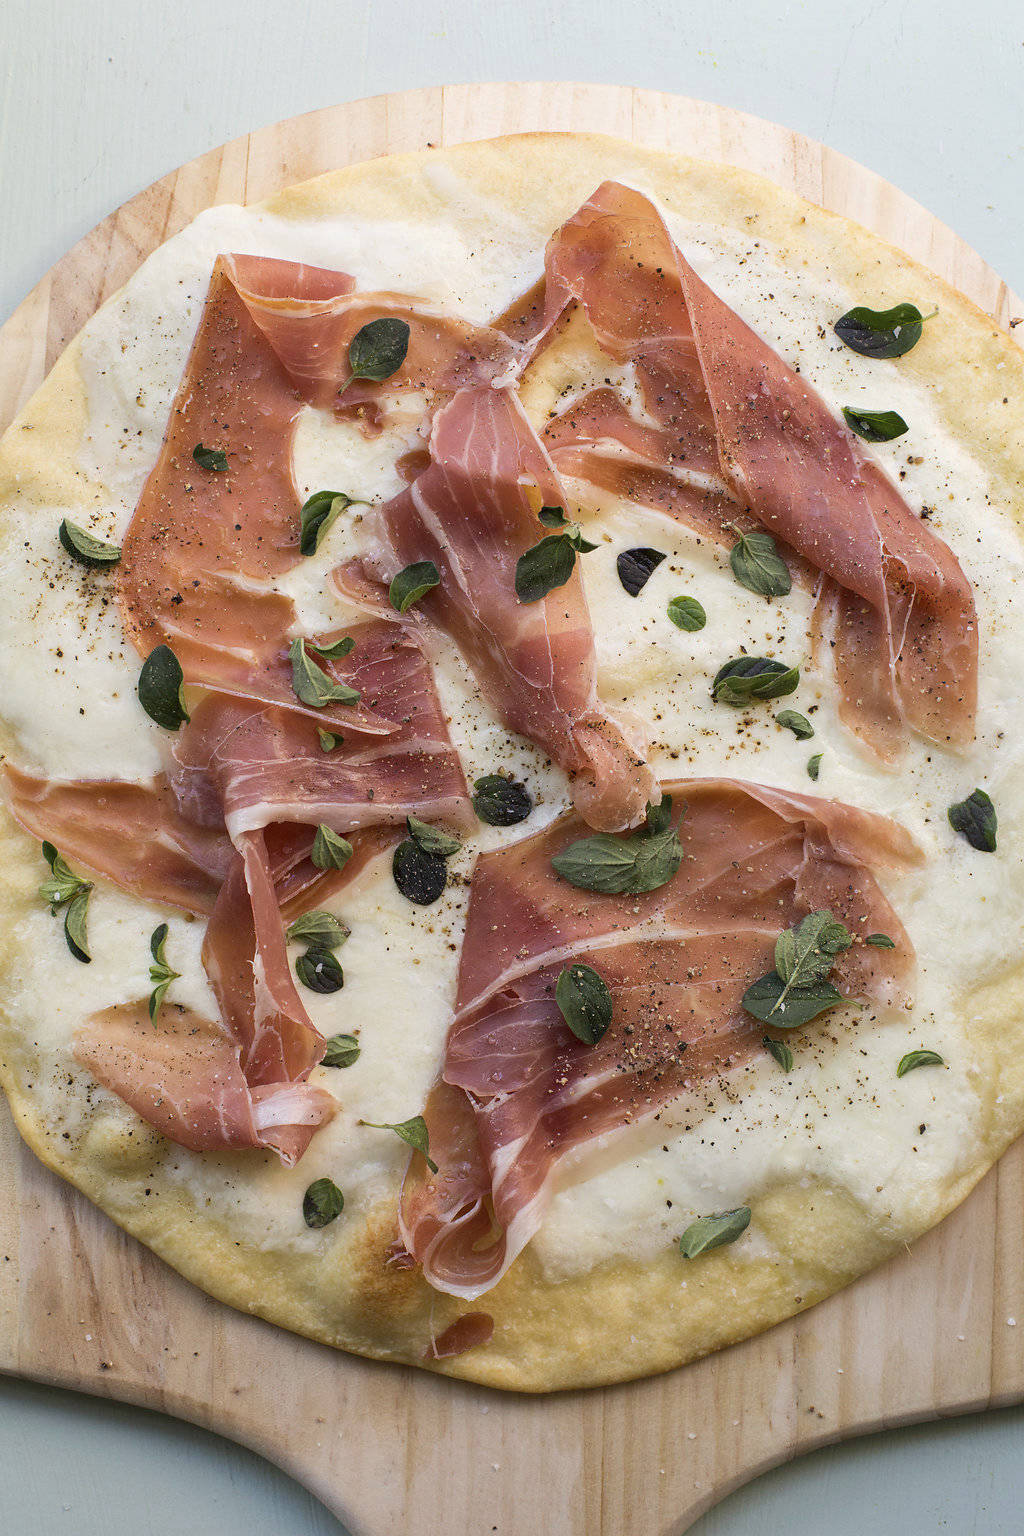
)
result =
(100, 97)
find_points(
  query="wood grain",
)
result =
(387, 1448)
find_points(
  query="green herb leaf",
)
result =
(413, 1132)
(85, 547)
(420, 877)
(412, 584)
(546, 566)
(160, 972)
(975, 819)
(709, 1232)
(317, 517)
(914, 1059)
(882, 332)
(814, 766)
(807, 953)
(335, 650)
(210, 458)
(764, 1000)
(875, 426)
(687, 613)
(311, 684)
(75, 915)
(501, 802)
(757, 564)
(160, 688)
(64, 885)
(799, 724)
(781, 1051)
(880, 941)
(553, 517)
(640, 861)
(753, 677)
(329, 850)
(584, 1002)
(329, 740)
(432, 839)
(377, 350)
(319, 928)
(658, 818)
(340, 1051)
(319, 970)
(322, 1203)
(636, 566)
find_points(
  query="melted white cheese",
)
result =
(841, 1116)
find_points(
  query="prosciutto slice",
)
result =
(471, 513)
(519, 1091)
(309, 316)
(229, 831)
(185, 1079)
(727, 424)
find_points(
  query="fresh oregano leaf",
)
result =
(880, 941)
(882, 332)
(757, 564)
(413, 1132)
(875, 426)
(975, 819)
(329, 740)
(544, 567)
(75, 914)
(340, 1051)
(329, 850)
(764, 1000)
(333, 652)
(687, 613)
(64, 884)
(160, 688)
(806, 953)
(584, 1002)
(553, 517)
(814, 766)
(432, 839)
(412, 584)
(636, 566)
(780, 1050)
(320, 928)
(501, 802)
(801, 727)
(658, 818)
(85, 547)
(160, 973)
(377, 350)
(317, 516)
(630, 865)
(753, 677)
(914, 1059)
(318, 970)
(214, 459)
(311, 683)
(709, 1232)
(322, 1203)
(421, 877)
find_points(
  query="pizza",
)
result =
(512, 757)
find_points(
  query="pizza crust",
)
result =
(621, 1319)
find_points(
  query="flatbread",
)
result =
(623, 1316)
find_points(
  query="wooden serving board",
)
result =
(390, 1449)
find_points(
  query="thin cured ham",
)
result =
(229, 831)
(309, 316)
(474, 514)
(185, 1079)
(726, 424)
(249, 765)
(519, 1091)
